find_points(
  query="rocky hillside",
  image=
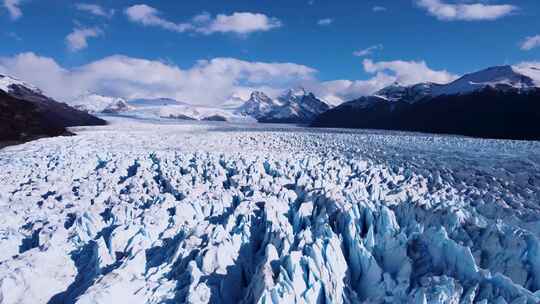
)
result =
(26, 113)
(498, 102)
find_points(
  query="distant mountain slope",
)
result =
(499, 77)
(185, 112)
(95, 103)
(154, 108)
(488, 113)
(409, 94)
(26, 113)
(154, 102)
(294, 106)
(498, 102)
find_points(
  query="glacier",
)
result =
(185, 212)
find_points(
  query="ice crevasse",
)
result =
(232, 227)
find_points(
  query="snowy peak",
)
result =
(95, 103)
(259, 96)
(294, 93)
(294, 105)
(26, 113)
(498, 77)
(24, 91)
(10, 84)
(258, 105)
(520, 77)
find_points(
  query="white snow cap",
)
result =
(493, 76)
(529, 69)
(92, 102)
(6, 82)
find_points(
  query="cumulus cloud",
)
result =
(368, 51)
(384, 74)
(338, 91)
(237, 23)
(530, 43)
(466, 12)
(325, 21)
(206, 82)
(408, 72)
(149, 16)
(95, 9)
(78, 39)
(379, 9)
(13, 8)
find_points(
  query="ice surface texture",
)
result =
(161, 213)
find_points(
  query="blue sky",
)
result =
(451, 36)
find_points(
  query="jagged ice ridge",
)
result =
(179, 213)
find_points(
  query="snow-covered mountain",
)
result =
(497, 102)
(411, 93)
(26, 112)
(96, 103)
(156, 102)
(11, 85)
(259, 105)
(186, 112)
(295, 105)
(501, 78)
(154, 108)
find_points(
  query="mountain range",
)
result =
(293, 106)
(96, 103)
(498, 102)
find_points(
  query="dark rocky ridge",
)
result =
(26, 114)
(487, 113)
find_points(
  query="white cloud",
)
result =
(408, 72)
(530, 43)
(78, 39)
(379, 9)
(466, 12)
(325, 21)
(384, 74)
(338, 91)
(368, 51)
(149, 16)
(238, 22)
(95, 10)
(13, 9)
(206, 82)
